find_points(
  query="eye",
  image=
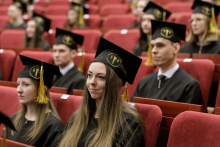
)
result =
(89, 75)
(26, 84)
(101, 77)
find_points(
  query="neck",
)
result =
(97, 106)
(167, 67)
(30, 114)
(17, 21)
(63, 66)
(200, 41)
(148, 37)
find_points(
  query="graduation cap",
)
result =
(40, 71)
(21, 6)
(68, 38)
(24, 1)
(6, 121)
(158, 12)
(43, 21)
(81, 10)
(209, 10)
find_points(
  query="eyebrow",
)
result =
(97, 73)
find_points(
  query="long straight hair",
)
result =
(41, 116)
(143, 40)
(111, 117)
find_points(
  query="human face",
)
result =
(197, 22)
(146, 23)
(27, 91)
(209, 1)
(62, 55)
(72, 16)
(140, 7)
(96, 80)
(31, 28)
(164, 51)
(13, 12)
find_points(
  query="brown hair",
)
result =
(111, 117)
(69, 25)
(41, 116)
(143, 40)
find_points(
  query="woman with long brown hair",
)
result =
(203, 35)
(34, 32)
(104, 119)
(151, 12)
(37, 124)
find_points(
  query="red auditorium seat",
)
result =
(92, 21)
(126, 39)
(91, 2)
(38, 9)
(195, 129)
(151, 116)
(93, 9)
(3, 21)
(114, 9)
(3, 10)
(57, 21)
(11, 143)
(118, 21)
(184, 18)
(162, 2)
(217, 102)
(59, 2)
(179, 7)
(66, 107)
(102, 2)
(44, 56)
(8, 58)
(12, 38)
(57, 10)
(41, 2)
(7, 3)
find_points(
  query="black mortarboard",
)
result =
(157, 11)
(33, 67)
(21, 6)
(43, 21)
(76, 7)
(24, 1)
(205, 8)
(171, 31)
(6, 121)
(124, 63)
(68, 38)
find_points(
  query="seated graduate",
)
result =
(151, 12)
(34, 32)
(203, 35)
(64, 51)
(170, 82)
(15, 13)
(104, 118)
(38, 124)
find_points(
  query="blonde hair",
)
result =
(41, 116)
(111, 117)
(207, 37)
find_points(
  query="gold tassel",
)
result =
(41, 98)
(213, 25)
(81, 64)
(149, 60)
(81, 21)
(4, 143)
(164, 15)
(132, 6)
(125, 95)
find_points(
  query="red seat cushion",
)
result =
(184, 18)
(3, 21)
(38, 9)
(3, 10)
(179, 6)
(114, 9)
(93, 9)
(92, 21)
(57, 10)
(101, 2)
(59, 2)
(57, 21)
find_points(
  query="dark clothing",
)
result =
(192, 47)
(48, 134)
(1, 77)
(45, 45)
(136, 50)
(135, 25)
(73, 79)
(181, 87)
(136, 139)
(10, 26)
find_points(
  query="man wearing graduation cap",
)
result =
(170, 82)
(64, 51)
(15, 12)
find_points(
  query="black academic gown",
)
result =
(134, 140)
(10, 26)
(45, 45)
(134, 26)
(136, 50)
(49, 133)
(192, 47)
(73, 79)
(181, 87)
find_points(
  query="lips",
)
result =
(156, 58)
(93, 90)
(20, 97)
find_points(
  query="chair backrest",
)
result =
(78, 92)
(3, 20)
(151, 116)
(121, 37)
(57, 10)
(101, 2)
(43, 56)
(179, 6)
(7, 58)
(217, 101)
(214, 57)
(93, 9)
(114, 9)
(3, 10)
(92, 21)
(11, 143)
(57, 21)
(59, 2)
(184, 18)
(163, 2)
(59, 90)
(194, 129)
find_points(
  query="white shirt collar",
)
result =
(170, 72)
(66, 69)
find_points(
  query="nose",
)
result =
(193, 23)
(19, 89)
(154, 50)
(93, 81)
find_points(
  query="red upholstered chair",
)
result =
(92, 21)
(7, 58)
(91, 2)
(59, 2)
(43, 56)
(102, 2)
(194, 129)
(66, 107)
(11, 143)
(151, 116)
(7, 3)
(93, 9)
(38, 9)
(126, 39)
(3, 10)
(184, 18)
(57, 21)
(12, 38)
(57, 10)
(114, 9)
(118, 21)
(41, 2)
(217, 102)
(3, 21)
(179, 6)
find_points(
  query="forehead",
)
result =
(60, 47)
(97, 67)
(160, 40)
(197, 15)
(141, 2)
(31, 22)
(13, 7)
(148, 16)
(23, 79)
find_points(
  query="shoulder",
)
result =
(13, 116)
(55, 122)
(186, 46)
(185, 77)
(79, 75)
(148, 77)
(8, 26)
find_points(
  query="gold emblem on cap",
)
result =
(35, 72)
(206, 10)
(68, 40)
(76, 8)
(157, 13)
(166, 32)
(25, 1)
(18, 4)
(114, 60)
(40, 20)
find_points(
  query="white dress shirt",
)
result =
(66, 69)
(169, 73)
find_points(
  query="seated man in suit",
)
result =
(170, 82)
(64, 50)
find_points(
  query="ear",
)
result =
(176, 48)
(73, 53)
